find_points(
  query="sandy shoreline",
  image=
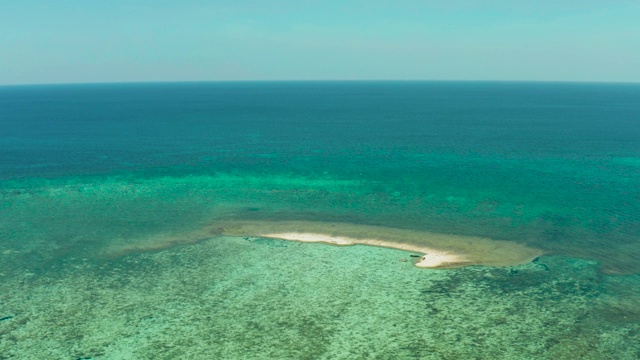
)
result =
(438, 250)
(431, 258)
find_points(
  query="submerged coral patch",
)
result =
(251, 298)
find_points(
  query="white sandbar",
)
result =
(438, 250)
(431, 258)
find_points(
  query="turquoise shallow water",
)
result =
(86, 169)
(235, 298)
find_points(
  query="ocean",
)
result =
(123, 212)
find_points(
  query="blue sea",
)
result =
(112, 196)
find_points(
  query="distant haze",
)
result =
(71, 41)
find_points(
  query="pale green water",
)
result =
(238, 298)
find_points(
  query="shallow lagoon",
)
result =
(257, 298)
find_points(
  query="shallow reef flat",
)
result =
(437, 250)
(117, 215)
(259, 298)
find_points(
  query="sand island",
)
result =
(430, 249)
(436, 250)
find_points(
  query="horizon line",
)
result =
(319, 81)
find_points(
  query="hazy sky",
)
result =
(59, 41)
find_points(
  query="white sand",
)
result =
(431, 258)
(438, 250)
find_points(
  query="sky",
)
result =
(86, 41)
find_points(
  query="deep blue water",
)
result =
(59, 130)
